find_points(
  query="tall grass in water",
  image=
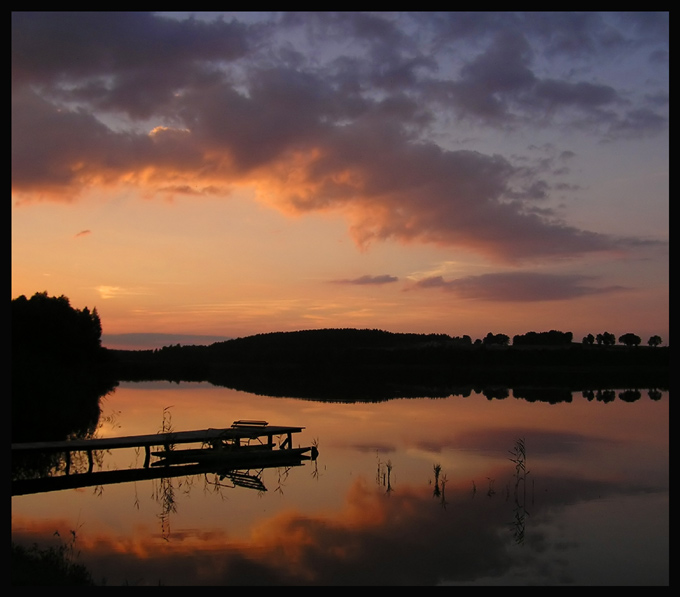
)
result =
(437, 468)
(519, 457)
(383, 476)
(164, 491)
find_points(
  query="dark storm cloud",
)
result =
(581, 94)
(130, 61)
(62, 150)
(499, 86)
(493, 77)
(518, 286)
(502, 85)
(326, 111)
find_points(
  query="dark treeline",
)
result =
(48, 329)
(551, 338)
(58, 364)
(59, 369)
(345, 363)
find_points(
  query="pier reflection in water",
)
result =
(220, 451)
(478, 489)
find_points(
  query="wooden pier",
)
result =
(246, 444)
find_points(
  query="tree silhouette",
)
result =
(551, 338)
(654, 340)
(589, 339)
(606, 339)
(56, 375)
(501, 339)
(48, 328)
(629, 339)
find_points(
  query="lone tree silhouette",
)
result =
(630, 339)
(654, 340)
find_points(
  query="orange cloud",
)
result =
(375, 538)
(306, 138)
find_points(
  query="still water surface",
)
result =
(416, 491)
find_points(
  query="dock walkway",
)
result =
(238, 432)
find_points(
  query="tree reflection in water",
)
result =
(438, 515)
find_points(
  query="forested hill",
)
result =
(311, 361)
(333, 340)
(56, 349)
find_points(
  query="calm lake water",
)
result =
(416, 491)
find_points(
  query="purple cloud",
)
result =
(209, 104)
(518, 286)
(368, 280)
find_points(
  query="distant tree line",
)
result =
(629, 339)
(557, 338)
(60, 369)
(551, 338)
(497, 339)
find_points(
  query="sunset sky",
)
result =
(218, 175)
